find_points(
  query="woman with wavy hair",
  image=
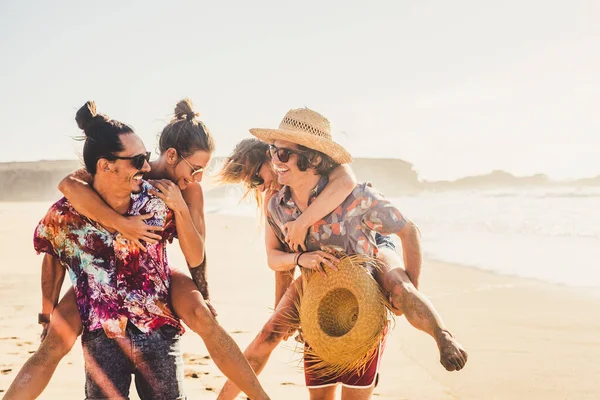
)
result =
(250, 164)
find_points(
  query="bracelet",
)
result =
(43, 318)
(297, 258)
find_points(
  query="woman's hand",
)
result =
(136, 230)
(44, 331)
(212, 309)
(169, 193)
(295, 234)
(317, 260)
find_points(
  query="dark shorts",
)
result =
(356, 379)
(154, 359)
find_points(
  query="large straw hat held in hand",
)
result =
(343, 317)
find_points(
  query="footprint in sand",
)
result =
(194, 359)
(195, 374)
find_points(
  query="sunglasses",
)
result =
(195, 171)
(256, 180)
(137, 161)
(283, 154)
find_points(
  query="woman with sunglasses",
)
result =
(250, 164)
(186, 147)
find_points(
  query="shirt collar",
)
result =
(285, 194)
(137, 198)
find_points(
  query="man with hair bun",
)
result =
(122, 291)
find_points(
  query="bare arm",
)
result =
(280, 260)
(411, 250)
(77, 188)
(190, 240)
(277, 258)
(194, 198)
(53, 275)
(283, 280)
(341, 183)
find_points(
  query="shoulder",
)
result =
(54, 228)
(61, 213)
(364, 197)
(274, 199)
(366, 189)
(193, 190)
(363, 189)
(194, 196)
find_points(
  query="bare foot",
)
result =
(452, 355)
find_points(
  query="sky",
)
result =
(457, 87)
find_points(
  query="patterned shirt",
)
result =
(114, 281)
(351, 228)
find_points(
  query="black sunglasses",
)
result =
(256, 180)
(137, 161)
(283, 154)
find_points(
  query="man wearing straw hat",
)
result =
(303, 153)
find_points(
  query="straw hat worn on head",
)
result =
(308, 128)
(343, 317)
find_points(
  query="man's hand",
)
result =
(213, 311)
(45, 326)
(316, 260)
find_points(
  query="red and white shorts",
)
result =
(354, 379)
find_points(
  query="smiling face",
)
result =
(124, 175)
(188, 170)
(287, 169)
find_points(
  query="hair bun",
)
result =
(185, 109)
(86, 117)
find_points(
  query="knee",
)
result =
(399, 284)
(55, 346)
(400, 290)
(201, 320)
(271, 333)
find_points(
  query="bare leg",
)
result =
(190, 306)
(418, 310)
(357, 393)
(274, 331)
(283, 280)
(324, 393)
(63, 330)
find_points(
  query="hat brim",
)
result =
(348, 350)
(329, 147)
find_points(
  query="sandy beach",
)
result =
(526, 339)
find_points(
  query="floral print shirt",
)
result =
(115, 282)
